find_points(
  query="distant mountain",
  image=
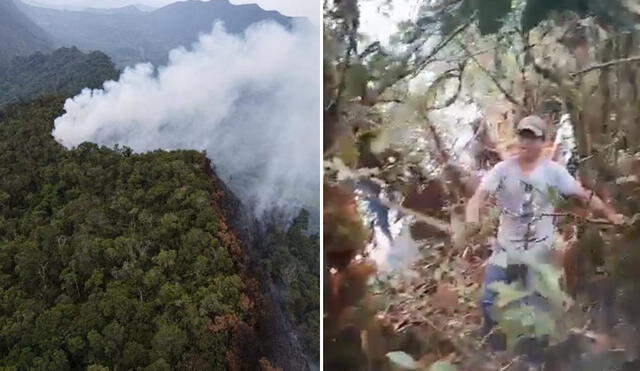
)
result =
(129, 35)
(131, 9)
(18, 34)
(90, 4)
(144, 8)
(66, 71)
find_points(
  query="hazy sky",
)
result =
(378, 20)
(299, 8)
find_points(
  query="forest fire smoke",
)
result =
(249, 101)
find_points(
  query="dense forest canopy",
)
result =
(124, 260)
(420, 116)
(65, 71)
(110, 258)
(293, 263)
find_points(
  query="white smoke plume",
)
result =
(251, 101)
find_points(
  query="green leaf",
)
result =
(402, 360)
(442, 366)
(507, 293)
(554, 196)
(543, 324)
(4, 196)
(348, 151)
(356, 79)
(548, 285)
(516, 322)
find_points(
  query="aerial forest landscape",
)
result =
(151, 217)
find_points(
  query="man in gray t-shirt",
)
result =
(523, 187)
(525, 199)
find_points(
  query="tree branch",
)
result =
(444, 43)
(508, 95)
(455, 96)
(351, 30)
(372, 48)
(452, 172)
(599, 151)
(428, 59)
(605, 65)
(440, 225)
(431, 221)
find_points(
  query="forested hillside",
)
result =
(293, 263)
(111, 258)
(19, 35)
(116, 259)
(65, 71)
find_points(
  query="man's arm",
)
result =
(475, 203)
(488, 185)
(569, 186)
(595, 203)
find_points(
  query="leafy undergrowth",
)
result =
(428, 317)
(432, 317)
(433, 308)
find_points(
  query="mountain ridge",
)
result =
(20, 35)
(64, 71)
(130, 37)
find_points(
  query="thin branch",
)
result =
(442, 7)
(627, 179)
(393, 100)
(464, 57)
(455, 96)
(599, 151)
(599, 221)
(508, 365)
(452, 173)
(351, 31)
(440, 225)
(444, 43)
(508, 95)
(431, 221)
(372, 48)
(607, 64)
(428, 59)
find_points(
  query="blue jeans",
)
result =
(381, 214)
(493, 273)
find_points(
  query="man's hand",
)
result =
(617, 219)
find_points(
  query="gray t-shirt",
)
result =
(525, 234)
